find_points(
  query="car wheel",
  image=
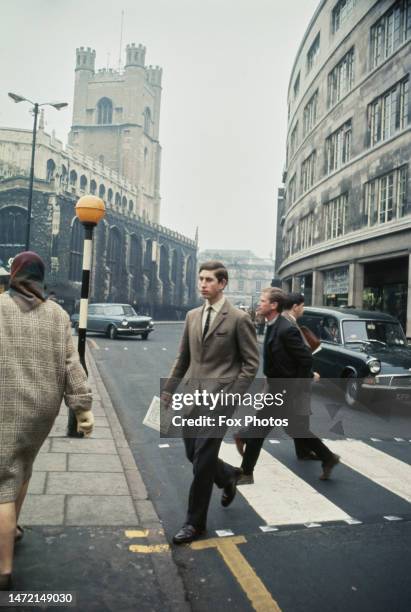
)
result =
(352, 390)
(112, 332)
(144, 336)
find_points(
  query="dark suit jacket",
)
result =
(285, 353)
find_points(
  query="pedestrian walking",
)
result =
(218, 351)
(38, 367)
(286, 356)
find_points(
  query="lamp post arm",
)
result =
(30, 199)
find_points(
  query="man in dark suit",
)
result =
(218, 352)
(286, 356)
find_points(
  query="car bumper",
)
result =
(131, 330)
(393, 389)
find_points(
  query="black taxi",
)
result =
(366, 350)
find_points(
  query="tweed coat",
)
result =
(39, 365)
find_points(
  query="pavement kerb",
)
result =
(166, 570)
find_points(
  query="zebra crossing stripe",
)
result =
(392, 474)
(280, 497)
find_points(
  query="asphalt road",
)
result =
(335, 545)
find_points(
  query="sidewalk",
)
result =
(87, 495)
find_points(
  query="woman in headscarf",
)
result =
(38, 367)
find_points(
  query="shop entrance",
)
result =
(386, 287)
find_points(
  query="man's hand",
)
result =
(85, 421)
(316, 377)
(166, 398)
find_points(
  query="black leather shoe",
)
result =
(6, 582)
(328, 466)
(231, 489)
(187, 534)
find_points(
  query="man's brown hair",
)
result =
(275, 294)
(217, 267)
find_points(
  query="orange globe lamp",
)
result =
(90, 209)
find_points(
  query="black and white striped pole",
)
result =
(89, 210)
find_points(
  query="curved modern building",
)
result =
(344, 222)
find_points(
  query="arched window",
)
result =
(124, 202)
(51, 168)
(164, 264)
(13, 223)
(73, 178)
(147, 256)
(174, 266)
(118, 200)
(131, 206)
(101, 191)
(76, 251)
(190, 277)
(93, 187)
(135, 260)
(63, 175)
(145, 154)
(104, 111)
(114, 253)
(83, 182)
(147, 121)
(110, 195)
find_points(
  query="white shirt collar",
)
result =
(217, 306)
(269, 323)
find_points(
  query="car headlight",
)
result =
(151, 322)
(375, 366)
(124, 323)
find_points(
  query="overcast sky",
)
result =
(226, 65)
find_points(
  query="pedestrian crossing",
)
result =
(368, 483)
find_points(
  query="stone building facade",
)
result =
(135, 259)
(344, 224)
(247, 273)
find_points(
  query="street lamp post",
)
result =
(36, 106)
(89, 210)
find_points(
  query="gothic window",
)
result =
(83, 182)
(63, 175)
(93, 187)
(147, 256)
(131, 206)
(124, 203)
(147, 121)
(104, 111)
(12, 226)
(118, 199)
(145, 154)
(164, 264)
(110, 195)
(101, 191)
(135, 263)
(190, 277)
(174, 266)
(51, 168)
(73, 178)
(113, 253)
(76, 251)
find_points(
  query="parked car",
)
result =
(366, 350)
(116, 319)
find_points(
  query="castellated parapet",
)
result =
(154, 75)
(85, 59)
(135, 55)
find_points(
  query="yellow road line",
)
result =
(153, 548)
(136, 533)
(251, 584)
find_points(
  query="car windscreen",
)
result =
(117, 310)
(381, 332)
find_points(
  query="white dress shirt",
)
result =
(215, 309)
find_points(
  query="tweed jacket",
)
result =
(39, 365)
(227, 358)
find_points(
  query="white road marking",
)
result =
(274, 441)
(281, 497)
(266, 528)
(223, 533)
(353, 521)
(399, 439)
(163, 446)
(375, 439)
(386, 471)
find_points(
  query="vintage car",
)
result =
(366, 350)
(116, 319)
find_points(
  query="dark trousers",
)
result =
(207, 469)
(298, 429)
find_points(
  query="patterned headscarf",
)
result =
(27, 280)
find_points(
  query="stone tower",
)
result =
(116, 116)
